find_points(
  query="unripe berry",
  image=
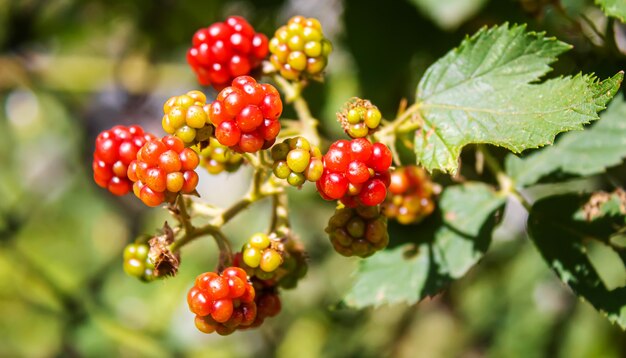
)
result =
(359, 118)
(186, 116)
(359, 231)
(137, 263)
(216, 158)
(299, 49)
(296, 160)
(226, 50)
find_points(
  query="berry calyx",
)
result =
(411, 195)
(299, 49)
(355, 172)
(222, 303)
(359, 231)
(163, 168)
(217, 158)
(115, 149)
(137, 263)
(359, 118)
(245, 115)
(226, 50)
(186, 116)
(296, 160)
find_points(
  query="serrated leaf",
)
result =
(584, 153)
(614, 8)
(560, 238)
(484, 92)
(449, 14)
(462, 236)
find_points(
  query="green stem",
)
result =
(280, 217)
(395, 126)
(505, 182)
(184, 215)
(293, 94)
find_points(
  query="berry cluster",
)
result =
(216, 158)
(186, 116)
(222, 303)
(268, 305)
(359, 231)
(359, 118)
(356, 171)
(296, 160)
(226, 50)
(163, 168)
(411, 195)
(260, 254)
(137, 263)
(246, 114)
(299, 48)
(115, 149)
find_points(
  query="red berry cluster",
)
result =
(267, 304)
(226, 50)
(411, 195)
(222, 303)
(356, 172)
(163, 168)
(116, 148)
(245, 115)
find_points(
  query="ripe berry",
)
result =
(359, 118)
(356, 172)
(359, 231)
(222, 303)
(137, 263)
(163, 168)
(296, 160)
(299, 49)
(216, 158)
(267, 305)
(411, 194)
(226, 50)
(245, 115)
(186, 116)
(115, 149)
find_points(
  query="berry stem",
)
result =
(398, 125)
(293, 94)
(505, 182)
(280, 217)
(183, 215)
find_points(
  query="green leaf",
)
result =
(614, 8)
(413, 271)
(485, 91)
(560, 236)
(449, 14)
(584, 153)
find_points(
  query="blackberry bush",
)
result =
(488, 91)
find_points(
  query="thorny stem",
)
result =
(505, 182)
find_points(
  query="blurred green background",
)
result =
(71, 68)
